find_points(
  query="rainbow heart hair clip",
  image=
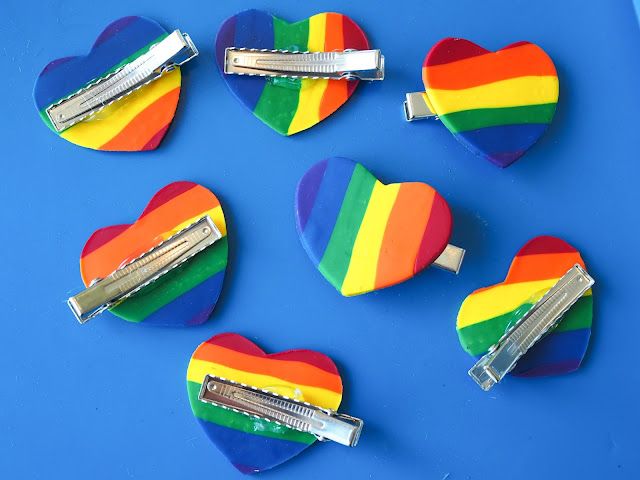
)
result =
(166, 268)
(261, 409)
(363, 235)
(537, 322)
(497, 104)
(123, 94)
(294, 75)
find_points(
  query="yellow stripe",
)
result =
(505, 93)
(216, 215)
(311, 91)
(314, 395)
(361, 274)
(107, 123)
(501, 299)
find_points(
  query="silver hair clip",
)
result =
(323, 423)
(348, 64)
(416, 107)
(542, 317)
(450, 259)
(164, 56)
(108, 292)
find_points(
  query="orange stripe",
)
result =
(298, 373)
(137, 133)
(530, 268)
(336, 92)
(147, 232)
(526, 60)
(403, 235)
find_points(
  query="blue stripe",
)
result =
(555, 348)
(249, 29)
(324, 214)
(502, 144)
(73, 74)
(251, 453)
(191, 308)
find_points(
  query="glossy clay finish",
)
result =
(138, 121)
(251, 444)
(289, 105)
(187, 294)
(487, 313)
(497, 104)
(364, 235)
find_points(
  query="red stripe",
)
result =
(516, 44)
(240, 344)
(167, 194)
(436, 234)
(156, 139)
(101, 237)
(452, 49)
(545, 244)
(354, 38)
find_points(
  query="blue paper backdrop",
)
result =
(108, 401)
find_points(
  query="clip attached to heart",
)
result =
(166, 268)
(497, 104)
(531, 327)
(345, 65)
(363, 235)
(82, 98)
(263, 409)
(537, 322)
(294, 75)
(322, 423)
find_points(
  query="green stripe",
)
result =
(238, 421)
(335, 261)
(175, 283)
(142, 51)
(279, 99)
(492, 117)
(477, 338)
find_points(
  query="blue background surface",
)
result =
(107, 400)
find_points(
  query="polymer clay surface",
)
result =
(487, 313)
(138, 121)
(289, 105)
(497, 104)
(364, 235)
(187, 294)
(251, 444)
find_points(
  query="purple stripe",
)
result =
(307, 192)
(250, 29)
(114, 28)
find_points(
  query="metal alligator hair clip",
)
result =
(323, 423)
(528, 330)
(348, 64)
(108, 292)
(164, 56)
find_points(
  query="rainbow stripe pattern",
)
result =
(364, 235)
(136, 122)
(486, 314)
(497, 104)
(289, 105)
(251, 444)
(187, 294)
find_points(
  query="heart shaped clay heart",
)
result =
(487, 313)
(497, 104)
(363, 235)
(187, 294)
(136, 122)
(289, 105)
(253, 444)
